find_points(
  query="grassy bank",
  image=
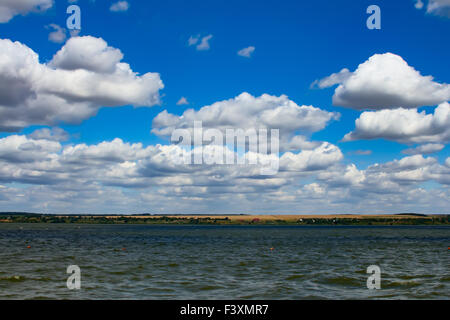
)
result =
(397, 219)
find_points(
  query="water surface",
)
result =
(223, 262)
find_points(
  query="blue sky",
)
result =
(296, 43)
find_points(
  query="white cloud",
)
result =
(54, 134)
(87, 53)
(333, 79)
(385, 81)
(204, 43)
(124, 177)
(428, 148)
(246, 111)
(20, 149)
(439, 7)
(343, 177)
(193, 40)
(419, 4)
(362, 152)
(403, 125)
(246, 52)
(83, 76)
(183, 101)
(11, 8)
(320, 158)
(120, 6)
(58, 35)
(406, 171)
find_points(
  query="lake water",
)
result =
(223, 262)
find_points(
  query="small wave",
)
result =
(209, 288)
(13, 279)
(295, 277)
(343, 281)
(412, 277)
(44, 279)
(400, 284)
(293, 261)
(119, 273)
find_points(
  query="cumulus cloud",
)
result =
(385, 81)
(134, 165)
(130, 177)
(428, 148)
(403, 125)
(58, 35)
(319, 158)
(53, 134)
(85, 75)
(393, 177)
(246, 52)
(10, 9)
(246, 111)
(20, 149)
(119, 6)
(87, 53)
(407, 170)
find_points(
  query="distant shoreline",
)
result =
(338, 219)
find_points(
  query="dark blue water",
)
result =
(203, 262)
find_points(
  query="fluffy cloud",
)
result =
(10, 9)
(319, 158)
(425, 149)
(83, 76)
(54, 134)
(406, 171)
(404, 125)
(87, 53)
(19, 149)
(385, 81)
(116, 176)
(390, 178)
(133, 165)
(246, 111)
(58, 35)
